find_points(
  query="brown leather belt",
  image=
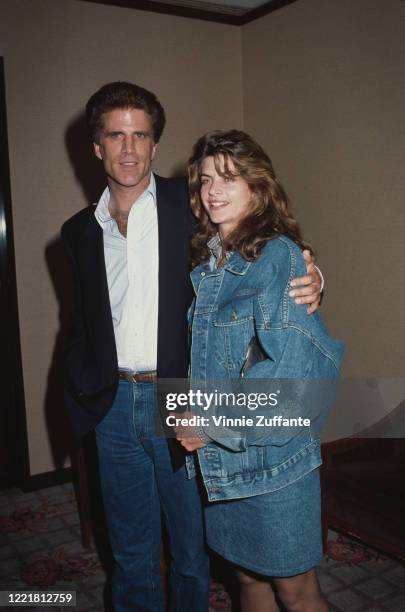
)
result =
(138, 377)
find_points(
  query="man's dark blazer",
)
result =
(91, 369)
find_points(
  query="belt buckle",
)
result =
(138, 377)
(147, 377)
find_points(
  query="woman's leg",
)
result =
(297, 593)
(301, 593)
(256, 595)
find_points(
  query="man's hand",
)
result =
(309, 291)
(187, 436)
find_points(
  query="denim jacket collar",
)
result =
(236, 264)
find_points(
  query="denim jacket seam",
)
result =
(264, 303)
(314, 340)
(293, 266)
(264, 310)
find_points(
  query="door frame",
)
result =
(14, 440)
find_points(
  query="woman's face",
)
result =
(226, 200)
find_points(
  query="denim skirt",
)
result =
(274, 534)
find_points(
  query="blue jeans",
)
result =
(138, 486)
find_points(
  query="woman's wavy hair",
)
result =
(269, 213)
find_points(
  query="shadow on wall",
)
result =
(179, 170)
(55, 413)
(87, 169)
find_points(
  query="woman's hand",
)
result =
(187, 435)
(191, 444)
(309, 286)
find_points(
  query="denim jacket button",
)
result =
(234, 316)
(202, 273)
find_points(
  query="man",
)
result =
(129, 259)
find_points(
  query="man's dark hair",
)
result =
(123, 95)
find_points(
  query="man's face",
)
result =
(127, 148)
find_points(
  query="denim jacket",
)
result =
(232, 304)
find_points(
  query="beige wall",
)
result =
(322, 88)
(56, 53)
(324, 92)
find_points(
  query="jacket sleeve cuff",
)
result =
(202, 435)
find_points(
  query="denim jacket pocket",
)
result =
(235, 312)
(233, 328)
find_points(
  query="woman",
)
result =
(263, 513)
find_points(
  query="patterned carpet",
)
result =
(40, 548)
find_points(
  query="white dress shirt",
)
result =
(132, 266)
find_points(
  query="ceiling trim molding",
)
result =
(193, 13)
(263, 10)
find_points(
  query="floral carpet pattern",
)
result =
(40, 548)
(61, 564)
